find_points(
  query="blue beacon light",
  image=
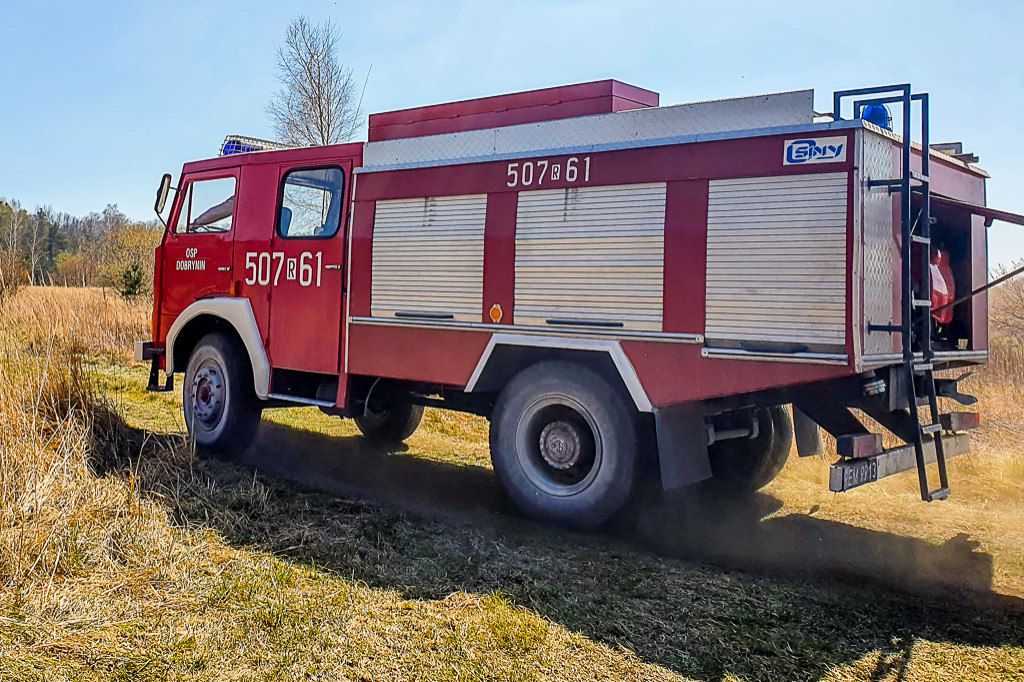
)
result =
(237, 147)
(877, 114)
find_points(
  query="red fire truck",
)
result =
(586, 269)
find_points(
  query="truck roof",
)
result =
(579, 118)
(347, 149)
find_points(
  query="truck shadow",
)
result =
(787, 598)
(686, 525)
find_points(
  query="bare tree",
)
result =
(318, 103)
(1006, 304)
(14, 223)
(38, 227)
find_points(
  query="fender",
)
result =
(609, 346)
(238, 313)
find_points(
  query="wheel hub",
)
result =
(560, 445)
(208, 395)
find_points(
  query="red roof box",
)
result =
(567, 101)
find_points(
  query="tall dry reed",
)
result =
(83, 320)
(80, 539)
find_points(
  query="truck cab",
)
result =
(255, 248)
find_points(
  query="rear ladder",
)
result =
(916, 334)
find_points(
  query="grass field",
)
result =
(122, 556)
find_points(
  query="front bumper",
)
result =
(146, 350)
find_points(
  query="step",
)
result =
(960, 421)
(936, 495)
(922, 303)
(931, 428)
(918, 239)
(923, 367)
(859, 445)
(847, 474)
(896, 183)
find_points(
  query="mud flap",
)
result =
(682, 445)
(808, 434)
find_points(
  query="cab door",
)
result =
(305, 268)
(197, 250)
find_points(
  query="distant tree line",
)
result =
(99, 249)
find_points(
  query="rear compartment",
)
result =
(958, 240)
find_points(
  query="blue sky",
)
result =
(97, 100)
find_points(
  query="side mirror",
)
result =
(161, 194)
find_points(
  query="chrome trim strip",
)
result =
(805, 358)
(301, 401)
(897, 358)
(960, 355)
(614, 350)
(583, 333)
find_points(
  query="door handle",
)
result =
(332, 267)
(225, 268)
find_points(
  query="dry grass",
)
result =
(81, 320)
(115, 561)
(123, 557)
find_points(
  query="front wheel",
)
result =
(222, 411)
(564, 444)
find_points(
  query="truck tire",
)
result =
(564, 444)
(743, 465)
(393, 425)
(222, 411)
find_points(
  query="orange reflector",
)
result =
(495, 313)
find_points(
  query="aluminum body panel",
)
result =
(881, 249)
(580, 333)
(776, 265)
(624, 128)
(807, 358)
(428, 257)
(591, 255)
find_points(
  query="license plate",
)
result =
(860, 472)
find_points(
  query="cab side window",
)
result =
(208, 206)
(311, 202)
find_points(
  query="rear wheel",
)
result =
(564, 444)
(743, 465)
(222, 411)
(393, 423)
